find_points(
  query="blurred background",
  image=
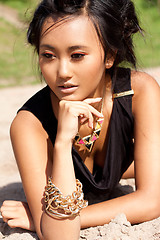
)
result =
(17, 65)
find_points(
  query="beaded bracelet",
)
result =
(61, 207)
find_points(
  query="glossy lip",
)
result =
(68, 89)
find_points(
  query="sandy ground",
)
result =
(11, 188)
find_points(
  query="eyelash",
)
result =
(48, 55)
(75, 56)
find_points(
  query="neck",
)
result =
(105, 83)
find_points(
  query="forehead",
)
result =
(79, 29)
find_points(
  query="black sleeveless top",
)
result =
(119, 153)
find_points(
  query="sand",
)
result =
(11, 188)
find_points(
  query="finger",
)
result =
(7, 214)
(83, 120)
(11, 206)
(5, 219)
(95, 112)
(92, 100)
(21, 223)
(81, 108)
(86, 116)
(90, 120)
(13, 223)
(14, 209)
(12, 203)
(78, 107)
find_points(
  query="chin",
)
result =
(71, 97)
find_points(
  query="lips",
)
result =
(67, 88)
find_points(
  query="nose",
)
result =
(64, 69)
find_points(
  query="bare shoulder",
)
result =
(143, 81)
(28, 137)
(146, 89)
(30, 142)
(26, 122)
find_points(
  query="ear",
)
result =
(110, 60)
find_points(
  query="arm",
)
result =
(34, 158)
(143, 204)
(33, 154)
(37, 159)
(63, 171)
(64, 178)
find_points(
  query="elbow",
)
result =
(61, 229)
(155, 211)
(152, 208)
(149, 205)
(39, 234)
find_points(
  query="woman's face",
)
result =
(71, 58)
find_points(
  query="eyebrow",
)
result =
(72, 48)
(47, 46)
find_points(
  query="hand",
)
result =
(70, 112)
(17, 214)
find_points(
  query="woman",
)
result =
(82, 124)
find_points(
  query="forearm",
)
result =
(138, 207)
(64, 178)
(63, 175)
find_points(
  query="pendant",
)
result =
(89, 140)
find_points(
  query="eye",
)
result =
(48, 55)
(78, 56)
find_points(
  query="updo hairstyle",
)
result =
(115, 22)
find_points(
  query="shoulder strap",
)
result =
(122, 91)
(123, 94)
(122, 86)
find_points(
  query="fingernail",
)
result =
(99, 98)
(91, 125)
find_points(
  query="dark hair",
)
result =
(115, 22)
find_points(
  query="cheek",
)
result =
(47, 71)
(95, 68)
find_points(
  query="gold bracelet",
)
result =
(61, 207)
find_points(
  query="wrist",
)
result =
(63, 142)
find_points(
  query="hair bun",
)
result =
(129, 19)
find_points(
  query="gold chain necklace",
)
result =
(89, 140)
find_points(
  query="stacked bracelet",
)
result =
(61, 207)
